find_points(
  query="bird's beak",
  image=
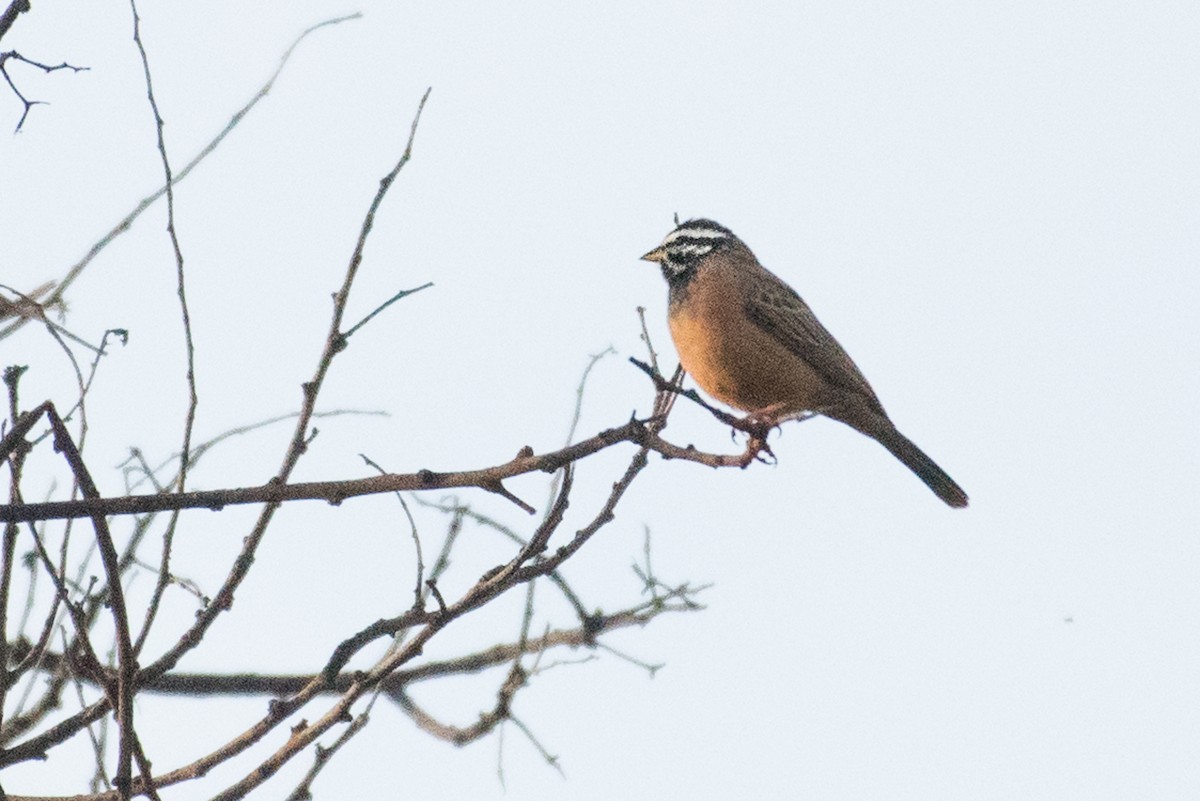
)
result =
(659, 254)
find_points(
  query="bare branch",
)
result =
(224, 597)
(336, 492)
(13, 55)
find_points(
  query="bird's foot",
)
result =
(757, 425)
(757, 450)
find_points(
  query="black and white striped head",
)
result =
(687, 244)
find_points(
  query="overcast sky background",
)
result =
(994, 206)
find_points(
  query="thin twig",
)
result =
(551, 759)
(47, 68)
(401, 294)
(303, 790)
(641, 313)
(593, 360)
(461, 510)
(418, 593)
(189, 422)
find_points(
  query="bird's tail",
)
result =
(881, 429)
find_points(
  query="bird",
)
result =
(749, 341)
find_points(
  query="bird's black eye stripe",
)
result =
(686, 241)
(686, 249)
(685, 255)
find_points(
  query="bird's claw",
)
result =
(757, 426)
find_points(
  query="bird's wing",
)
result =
(776, 308)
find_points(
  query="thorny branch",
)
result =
(519, 570)
(638, 432)
(439, 600)
(13, 55)
(119, 698)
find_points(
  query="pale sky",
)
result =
(995, 207)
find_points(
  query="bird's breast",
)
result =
(734, 360)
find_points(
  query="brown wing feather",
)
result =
(776, 308)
